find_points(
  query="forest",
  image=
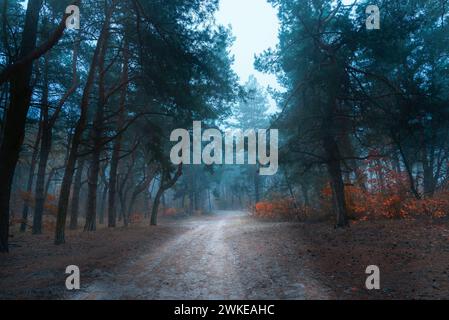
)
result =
(87, 114)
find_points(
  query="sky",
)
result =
(255, 25)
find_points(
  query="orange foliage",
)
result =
(50, 210)
(437, 206)
(389, 198)
(170, 212)
(50, 206)
(283, 208)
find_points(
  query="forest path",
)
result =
(227, 256)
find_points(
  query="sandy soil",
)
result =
(232, 256)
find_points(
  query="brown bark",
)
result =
(48, 124)
(156, 203)
(14, 129)
(44, 154)
(167, 182)
(97, 135)
(337, 183)
(112, 211)
(333, 163)
(408, 168)
(141, 187)
(76, 139)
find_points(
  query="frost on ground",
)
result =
(232, 256)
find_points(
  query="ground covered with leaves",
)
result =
(234, 256)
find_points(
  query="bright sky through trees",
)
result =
(255, 25)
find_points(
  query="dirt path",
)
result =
(225, 257)
(233, 256)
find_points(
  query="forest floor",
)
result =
(232, 256)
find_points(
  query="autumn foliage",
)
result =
(281, 208)
(387, 195)
(364, 205)
(274, 209)
(50, 210)
(381, 193)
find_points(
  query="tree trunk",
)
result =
(34, 158)
(112, 211)
(331, 129)
(97, 136)
(408, 169)
(104, 194)
(92, 181)
(102, 204)
(15, 119)
(45, 149)
(156, 203)
(428, 174)
(123, 192)
(76, 141)
(49, 181)
(76, 196)
(337, 184)
(166, 183)
(143, 186)
(429, 181)
(48, 124)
